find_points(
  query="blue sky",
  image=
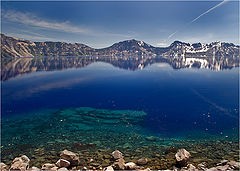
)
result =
(100, 24)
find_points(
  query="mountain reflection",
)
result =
(12, 67)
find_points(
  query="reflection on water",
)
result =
(16, 67)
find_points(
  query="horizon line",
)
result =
(6, 34)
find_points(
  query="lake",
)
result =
(109, 103)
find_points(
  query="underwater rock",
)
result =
(142, 161)
(62, 163)
(223, 162)
(231, 163)
(130, 166)
(182, 157)
(25, 159)
(49, 166)
(234, 164)
(70, 156)
(20, 163)
(139, 168)
(211, 169)
(119, 164)
(3, 166)
(84, 168)
(225, 167)
(202, 166)
(34, 169)
(63, 169)
(191, 167)
(117, 155)
(109, 168)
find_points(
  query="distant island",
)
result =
(15, 47)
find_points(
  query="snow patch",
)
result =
(140, 43)
(190, 61)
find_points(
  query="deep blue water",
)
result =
(177, 102)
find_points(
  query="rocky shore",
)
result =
(69, 160)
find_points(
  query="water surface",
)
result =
(178, 104)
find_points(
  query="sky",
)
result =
(101, 23)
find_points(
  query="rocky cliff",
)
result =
(14, 47)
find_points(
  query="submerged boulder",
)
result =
(49, 166)
(63, 169)
(117, 155)
(20, 163)
(130, 166)
(34, 169)
(109, 168)
(191, 167)
(142, 161)
(202, 166)
(70, 156)
(62, 163)
(182, 157)
(211, 169)
(3, 166)
(223, 162)
(225, 167)
(234, 164)
(119, 164)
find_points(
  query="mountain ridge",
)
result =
(17, 47)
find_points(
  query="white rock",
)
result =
(109, 168)
(20, 163)
(130, 166)
(182, 157)
(3, 166)
(62, 163)
(25, 159)
(191, 167)
(70, 156)
(142, 161)
(34, 169)
(49, 166)
(119, 164)
(63, 169)
(212, 169)
(117, 155)
(234, 164)
(226, 167)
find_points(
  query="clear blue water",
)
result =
(186, 103)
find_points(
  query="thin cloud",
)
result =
(171, 35)
(32, 37)
(221, 3)
(195, 19)
(32, 20)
